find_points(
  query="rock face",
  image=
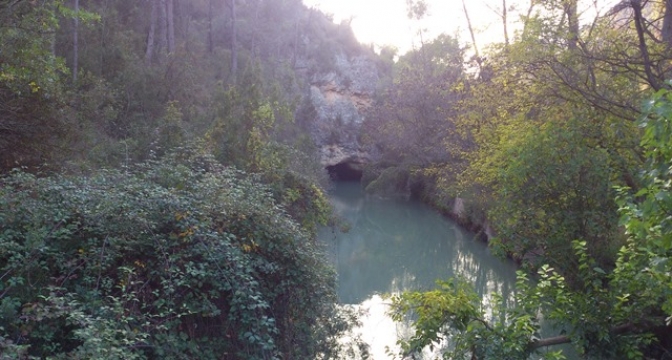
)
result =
(339, 99)
(458, 212)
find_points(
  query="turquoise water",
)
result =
(395, 245)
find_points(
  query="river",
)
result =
(395, 245)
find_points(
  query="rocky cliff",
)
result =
(339, 98)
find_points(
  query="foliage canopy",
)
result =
(175, 258)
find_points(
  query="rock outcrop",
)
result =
(339, 99)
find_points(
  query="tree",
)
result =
(612, 314)
(211, 45)
(31, 89)
(75, 43)
(572, 13)
(170, 22)
(149, 53)
(666, 31)
(412, 119)
(234, 40)
(536, 135)
(552, 185)
(161, 19)
(471, 33)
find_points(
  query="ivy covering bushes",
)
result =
(178, 258)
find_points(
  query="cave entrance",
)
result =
(345, 171)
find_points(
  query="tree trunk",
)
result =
(504, 21)
(52, 31)
(571, 9)
(643, 47)
(170, 19)
(75, 43)
(297, 39)
(211, 46)
(152, 32)
(234, 42)
(163, 27)
(667, 23)
(103, 33)
(255, 33)
(527, 17)
(471, 32)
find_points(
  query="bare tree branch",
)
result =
(643, 48)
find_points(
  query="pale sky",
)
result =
(384, 22)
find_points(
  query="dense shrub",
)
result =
(178, 258)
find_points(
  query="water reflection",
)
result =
(395, 245)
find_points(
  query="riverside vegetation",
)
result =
(159, 198)
(160, 192)
(556, 139)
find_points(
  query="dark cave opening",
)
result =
(345, 171)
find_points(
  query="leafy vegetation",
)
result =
(168, 193)
(612, 314)
(158, 199)
(176, 258)
(539, 138)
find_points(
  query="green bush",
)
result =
(178, 258)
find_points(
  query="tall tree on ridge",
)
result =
(75, 43)
(667, 23)
(163, 27)
(152, 31)
(504, 21)
(473, 36)
(170, 22)
(234, 41)
(571, 10)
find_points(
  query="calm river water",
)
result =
(395, 245)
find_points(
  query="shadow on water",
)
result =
(395, 245)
